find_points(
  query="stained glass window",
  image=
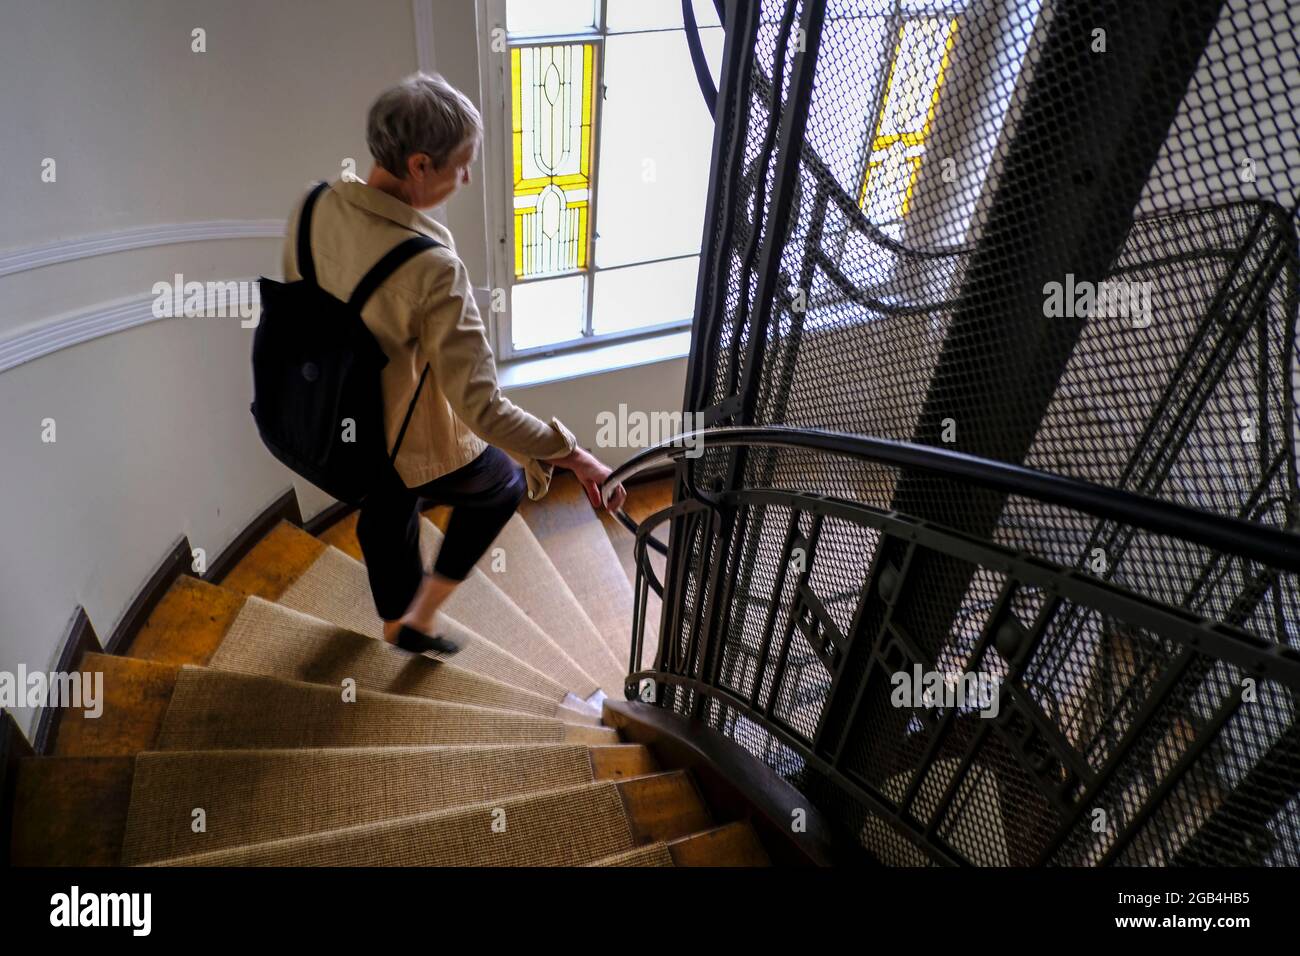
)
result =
(553, 100)
(911, 94)
(607, 173)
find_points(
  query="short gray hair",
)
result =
(422, 114)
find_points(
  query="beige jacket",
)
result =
(424, 312)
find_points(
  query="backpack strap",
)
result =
(371, 281)
(381, 270)
(306, 265)
(410, 410)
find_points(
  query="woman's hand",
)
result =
(591, 473)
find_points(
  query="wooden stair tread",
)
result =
(342, 534)
(188, 623)
(621, 761)
(70, 811)
(732, 844)
(664, 806)
(274, 563)
(136, 695)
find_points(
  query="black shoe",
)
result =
(409, 639)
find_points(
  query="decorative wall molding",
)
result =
(43, 338)
(139, 237)
(422, 11)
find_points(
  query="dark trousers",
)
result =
(483, 496)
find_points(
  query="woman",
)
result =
(423, 135)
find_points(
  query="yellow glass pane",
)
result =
(552, 109)
(912, 91)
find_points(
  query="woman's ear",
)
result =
(418, 166)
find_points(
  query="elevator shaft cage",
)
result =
(1059, 234)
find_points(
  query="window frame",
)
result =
(498, 176)
(898, 23)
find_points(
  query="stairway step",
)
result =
(571, 534)
(528, 577)
(624, 544)
(733, 844)
(275, 562)
(220, 710)
(188, 623)
(70, 811)
(621, 761)
(664, 806)
(262, 795)
(528, 598)
(520, 568)
(652, 854)
(480, 603)
(531, 580)
(342, 534)
(643, 500)
(275, 641)
(339, 593)
(564, 827)
(136, 694)
(268, 639)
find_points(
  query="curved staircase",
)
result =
(258, 720)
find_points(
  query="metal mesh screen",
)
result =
(1059, 234)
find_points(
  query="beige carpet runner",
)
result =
(565, 827)
(480, 603)
(274, 641)
(255, 796)
(335, 589)
(220, 710)
(624, 544)
(580, 550)
(520, 567)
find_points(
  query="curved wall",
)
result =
(152, 143)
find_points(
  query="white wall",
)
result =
(579, 403)
(154, 438)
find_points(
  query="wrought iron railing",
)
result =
(1073, 524)
(1104, 715)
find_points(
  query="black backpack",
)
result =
(316, 391)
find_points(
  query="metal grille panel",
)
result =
(1090, 270)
